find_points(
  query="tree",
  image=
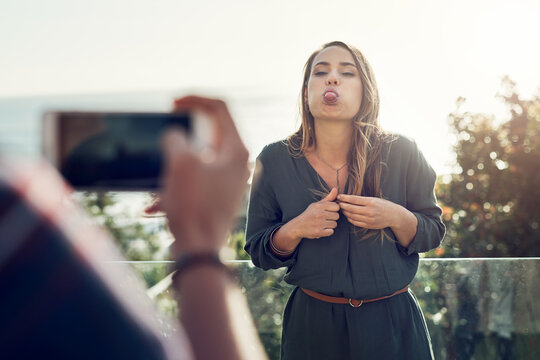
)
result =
(491, 204)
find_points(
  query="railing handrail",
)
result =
(249, 261)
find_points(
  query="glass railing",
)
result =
(485, 308)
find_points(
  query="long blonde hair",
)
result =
(368, 140)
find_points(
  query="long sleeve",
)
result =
(264, 218)
(422, 203)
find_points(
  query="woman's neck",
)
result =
(333, 141)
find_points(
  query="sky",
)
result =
(425, 53)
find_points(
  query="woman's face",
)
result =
(334, 89)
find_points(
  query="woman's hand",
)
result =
(368, 212)
(202, 193)
(320, 218)
(376, 213)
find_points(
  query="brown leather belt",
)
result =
(353, 302)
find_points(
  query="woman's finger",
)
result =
(361, 224)
(178, 155)
(227, 140)
(327, 232)
(365, 224)
(332, 215)
(348, 207)
(174, 142)
(355, 209)
(355, 223)
(356, 217)
(331, 206)
(330, 224)
(355, 199)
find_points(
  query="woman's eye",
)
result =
(319, 73)
(348, 74)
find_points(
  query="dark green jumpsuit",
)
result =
(343, 265)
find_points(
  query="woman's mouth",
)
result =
(330, 96)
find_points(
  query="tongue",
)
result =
(330, 97)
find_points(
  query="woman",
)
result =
(352, 253)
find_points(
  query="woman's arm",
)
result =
(270, 242)
(404, 226)
(318, 220)
(422, 203)
(376, 213)
(417, 225)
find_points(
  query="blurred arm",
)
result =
(200, 197)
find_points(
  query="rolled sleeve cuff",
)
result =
(429, 234)
(278, 259)
(413, 247)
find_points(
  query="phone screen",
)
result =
(110, 151)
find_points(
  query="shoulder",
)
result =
(406, 155)
(403, 145)
(271, 163)
(274, 151)
(404, 149)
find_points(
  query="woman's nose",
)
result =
(332, 80)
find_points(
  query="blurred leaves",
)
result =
(137, 240)
(267, 295)
(491, 204)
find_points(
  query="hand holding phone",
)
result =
(201, 184)
(201, 193)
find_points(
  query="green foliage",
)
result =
(137, 242)
(267, 295)
(491, 205)
(430, 287)
(237, 241)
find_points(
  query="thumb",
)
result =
(153, 208)
(173, 142)
(331, 195)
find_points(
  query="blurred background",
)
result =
(461, 78)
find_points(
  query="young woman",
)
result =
(346, 208)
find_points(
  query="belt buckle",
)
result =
(355, 306)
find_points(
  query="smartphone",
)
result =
(109, 151)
